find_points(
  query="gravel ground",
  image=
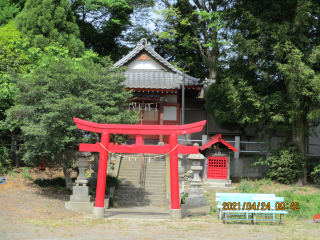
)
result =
(30, 212)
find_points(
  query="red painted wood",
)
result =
(174, 174)
(217, 168)
(102, 171)
(138, 148)
(168, 122)
(85, 147)
(139, 139)
(139, 129)
(215, 139)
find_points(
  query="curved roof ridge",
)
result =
(144, 44)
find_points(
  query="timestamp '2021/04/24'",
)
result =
(263, 206)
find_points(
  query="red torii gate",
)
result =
(139, 130)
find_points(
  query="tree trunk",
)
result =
(66, 172)
(299, 129)
(298, 136)
(14, 155)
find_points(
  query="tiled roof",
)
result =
(156, 79)
(152, 78)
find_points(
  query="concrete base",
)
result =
(98, 212)
(225, 181)
(106, 203)
(195, 201)
(187, 210)
(175, 214)
(82, 207)
(75, 198)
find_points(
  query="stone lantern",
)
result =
(195, 192)
(80, 200)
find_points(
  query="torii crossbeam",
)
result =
(139, 130)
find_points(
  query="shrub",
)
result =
(5, 162)
(316, 175)
(112, 182)
(246, 187)
(58, 183)
(183, 198)
(285, 165)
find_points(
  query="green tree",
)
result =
(13, 49)
(51, 95)
(9, 9)
(44, 21)
(103, 24)
(269, 76)
(190, 33)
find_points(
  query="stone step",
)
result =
(148, 177)
(155, 171)
(155, 174)
(145, 202)
(146, 181)
(136, 196)
(150, 187)
(143, 193)
(147, 188)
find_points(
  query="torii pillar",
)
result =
(139, 130)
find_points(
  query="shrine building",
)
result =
(157, 88)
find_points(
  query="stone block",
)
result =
(82, 207)
(195, 192)
(181, 169)
(76, 198)
(98, 212)
(175, 214)
(187, 210)
(81, 190)
(106, 202)
(195, 201)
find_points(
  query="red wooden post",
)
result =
(102, 171)
(174, 175)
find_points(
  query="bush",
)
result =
(246, 187)
(58, 183)
(5, 162)
(112, 182)
(316, 175)
(285, 165)
(183, 198)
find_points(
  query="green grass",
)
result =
(308, 204)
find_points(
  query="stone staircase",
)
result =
(153, 187)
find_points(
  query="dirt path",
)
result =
(30, 212)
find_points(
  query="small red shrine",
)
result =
(218, 159)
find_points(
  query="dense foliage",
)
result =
(9, 9)
(60, 89)
(51, 20)
(189, 34)
(269, 77)
(285, 165)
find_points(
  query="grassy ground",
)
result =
(306, 198)
(29, 211)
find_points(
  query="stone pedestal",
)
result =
(98, 212)
(195, 202)
(180, 167)
(175, 214)
(80, 200)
